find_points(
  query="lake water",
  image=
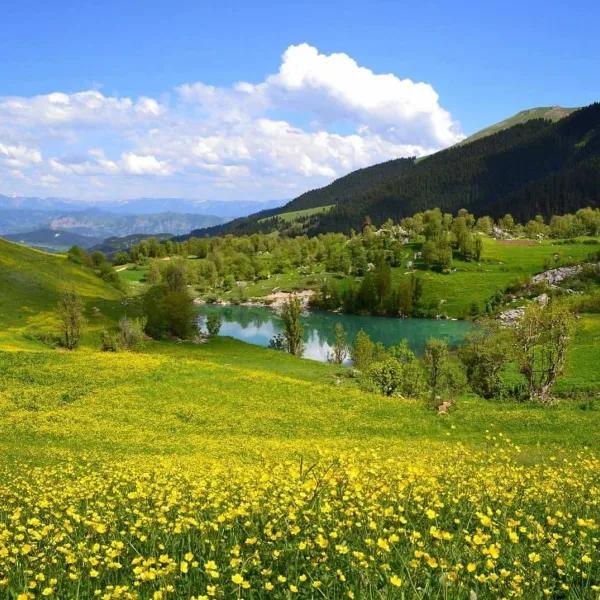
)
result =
(257, 325)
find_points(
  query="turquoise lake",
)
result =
(257, 325)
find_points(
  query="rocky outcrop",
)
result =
(555, 276)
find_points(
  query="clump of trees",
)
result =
(99, 263)
(168, 306)
(538, 343)
(352, 271)
(396, 371)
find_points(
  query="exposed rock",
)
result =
(554, 276)
(510, 317)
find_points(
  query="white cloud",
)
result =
(334, 86)
(19, 156)
(82, 108)
(137, 164)
(274, 138)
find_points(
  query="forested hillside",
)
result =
(537, 167)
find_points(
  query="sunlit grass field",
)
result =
(223, 470)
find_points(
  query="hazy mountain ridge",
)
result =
(21, 215)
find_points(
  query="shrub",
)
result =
(362, 351)
(277, 342)
(131, 334)
(443, 376)
(339, 352)
(484, 355)
(109, 341)
(385, 376)
(169, 312)
(70, 310)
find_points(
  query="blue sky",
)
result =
(297, 124)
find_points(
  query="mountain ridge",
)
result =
(538, 166)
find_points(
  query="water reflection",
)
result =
(258, 325)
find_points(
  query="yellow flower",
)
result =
(183, 566)
(395, 581)
(237, 579)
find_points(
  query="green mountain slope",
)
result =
(31, 283)
(549, 113)
(535, 167)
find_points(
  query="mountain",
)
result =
(222, 209)
(20, 214)
(539, 166)
(139, 206)
(549, 113)
(53, 240)
(101, 224)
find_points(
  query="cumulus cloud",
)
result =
(138, 164)
(19, 156)
(82, 108)
(247, 139)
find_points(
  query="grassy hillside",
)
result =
(549, 113)
(295, 215)
(32, 283)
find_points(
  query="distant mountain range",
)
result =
(49, 222)
(138, 206)
(525, 165)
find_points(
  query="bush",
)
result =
(70, 310)
(385, 376)
(484, 355)
(392, 377)
(169, 312)
(109, 341)
(339, 351)
(443, 376)
(131, 334)
(278, 342)
(363, 350)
